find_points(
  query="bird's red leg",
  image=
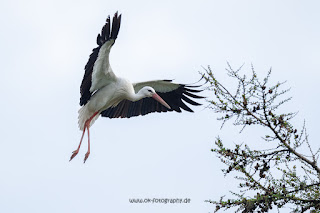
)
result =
(87, 125)
(75, 152)
(88, 152)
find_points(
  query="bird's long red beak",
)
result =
(160, 100)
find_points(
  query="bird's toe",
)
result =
(86, 157)
(74, 153)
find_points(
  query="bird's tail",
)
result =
(84, 114)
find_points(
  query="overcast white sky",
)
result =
(44, 47)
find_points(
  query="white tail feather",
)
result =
(83, 115)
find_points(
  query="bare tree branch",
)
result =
(278, 176)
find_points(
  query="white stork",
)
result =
(105, 94)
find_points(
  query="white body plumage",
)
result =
(108, 96)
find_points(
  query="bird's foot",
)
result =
(86, 156)
(74, 153)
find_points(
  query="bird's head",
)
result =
(150, 92)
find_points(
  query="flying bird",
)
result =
(103, 93)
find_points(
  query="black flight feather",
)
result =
(101, 39)
(175, 99)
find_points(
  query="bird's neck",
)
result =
(136, 96)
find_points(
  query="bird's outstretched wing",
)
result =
(98, 72)
(176, 95)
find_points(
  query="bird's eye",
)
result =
(149, 90)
